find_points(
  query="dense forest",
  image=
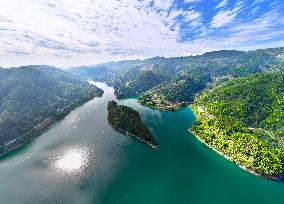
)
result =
(243, 118)
(34, 97)
(126, 120)
(168, 83)
(144, 81)
(172, 95)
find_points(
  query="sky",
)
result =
(84, 32)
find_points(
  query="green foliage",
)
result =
(132, 78)
(243, 118)
(171, 95)
(127, 120)
(257, 100)
(145, 80)
(29, 95)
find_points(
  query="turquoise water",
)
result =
(82, 160)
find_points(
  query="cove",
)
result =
(82, 159)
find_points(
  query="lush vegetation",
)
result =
(243, 118)
(140, 83)
(171, 95)
(34, 97)
(166, 83)
(126, 120)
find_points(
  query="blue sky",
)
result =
(77, 32)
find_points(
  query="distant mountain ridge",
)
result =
(127, 76)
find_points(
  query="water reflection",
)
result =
(72, 161)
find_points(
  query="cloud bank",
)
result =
(76, 32)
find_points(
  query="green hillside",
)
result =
(140, 83)
(30, 95)
(244, 119)
(171, 95)
(128, 77)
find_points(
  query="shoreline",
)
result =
(168, 109)
(152, 145)
(232, 160)
(35, 132)
(26, 138)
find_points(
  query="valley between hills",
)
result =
(237, 97)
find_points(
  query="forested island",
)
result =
(32, 98)
(126, 120)
(243, 119)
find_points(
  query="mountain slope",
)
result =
(173, 94)
(244, 119)
(212, 66)
(257, 101)
(29, 95)
(140, 83)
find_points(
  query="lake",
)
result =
(81, 159)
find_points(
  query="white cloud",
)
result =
(258, 1)
(192, 1)
(225, 17)
(72, 28)
(191, 16)
(257, 33)
(163, 4)
(222, 4)
(74, 32)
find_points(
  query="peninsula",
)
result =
(126, 120)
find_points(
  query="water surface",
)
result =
(83, 160)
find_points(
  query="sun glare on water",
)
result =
(72, 160)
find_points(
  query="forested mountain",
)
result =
(171, 95)
(96, 73)
(34, 97)
(105, 71)
(128, 77)
(244, 119)
(140, 83)
(258, 101)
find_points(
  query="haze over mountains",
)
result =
(135, 77)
